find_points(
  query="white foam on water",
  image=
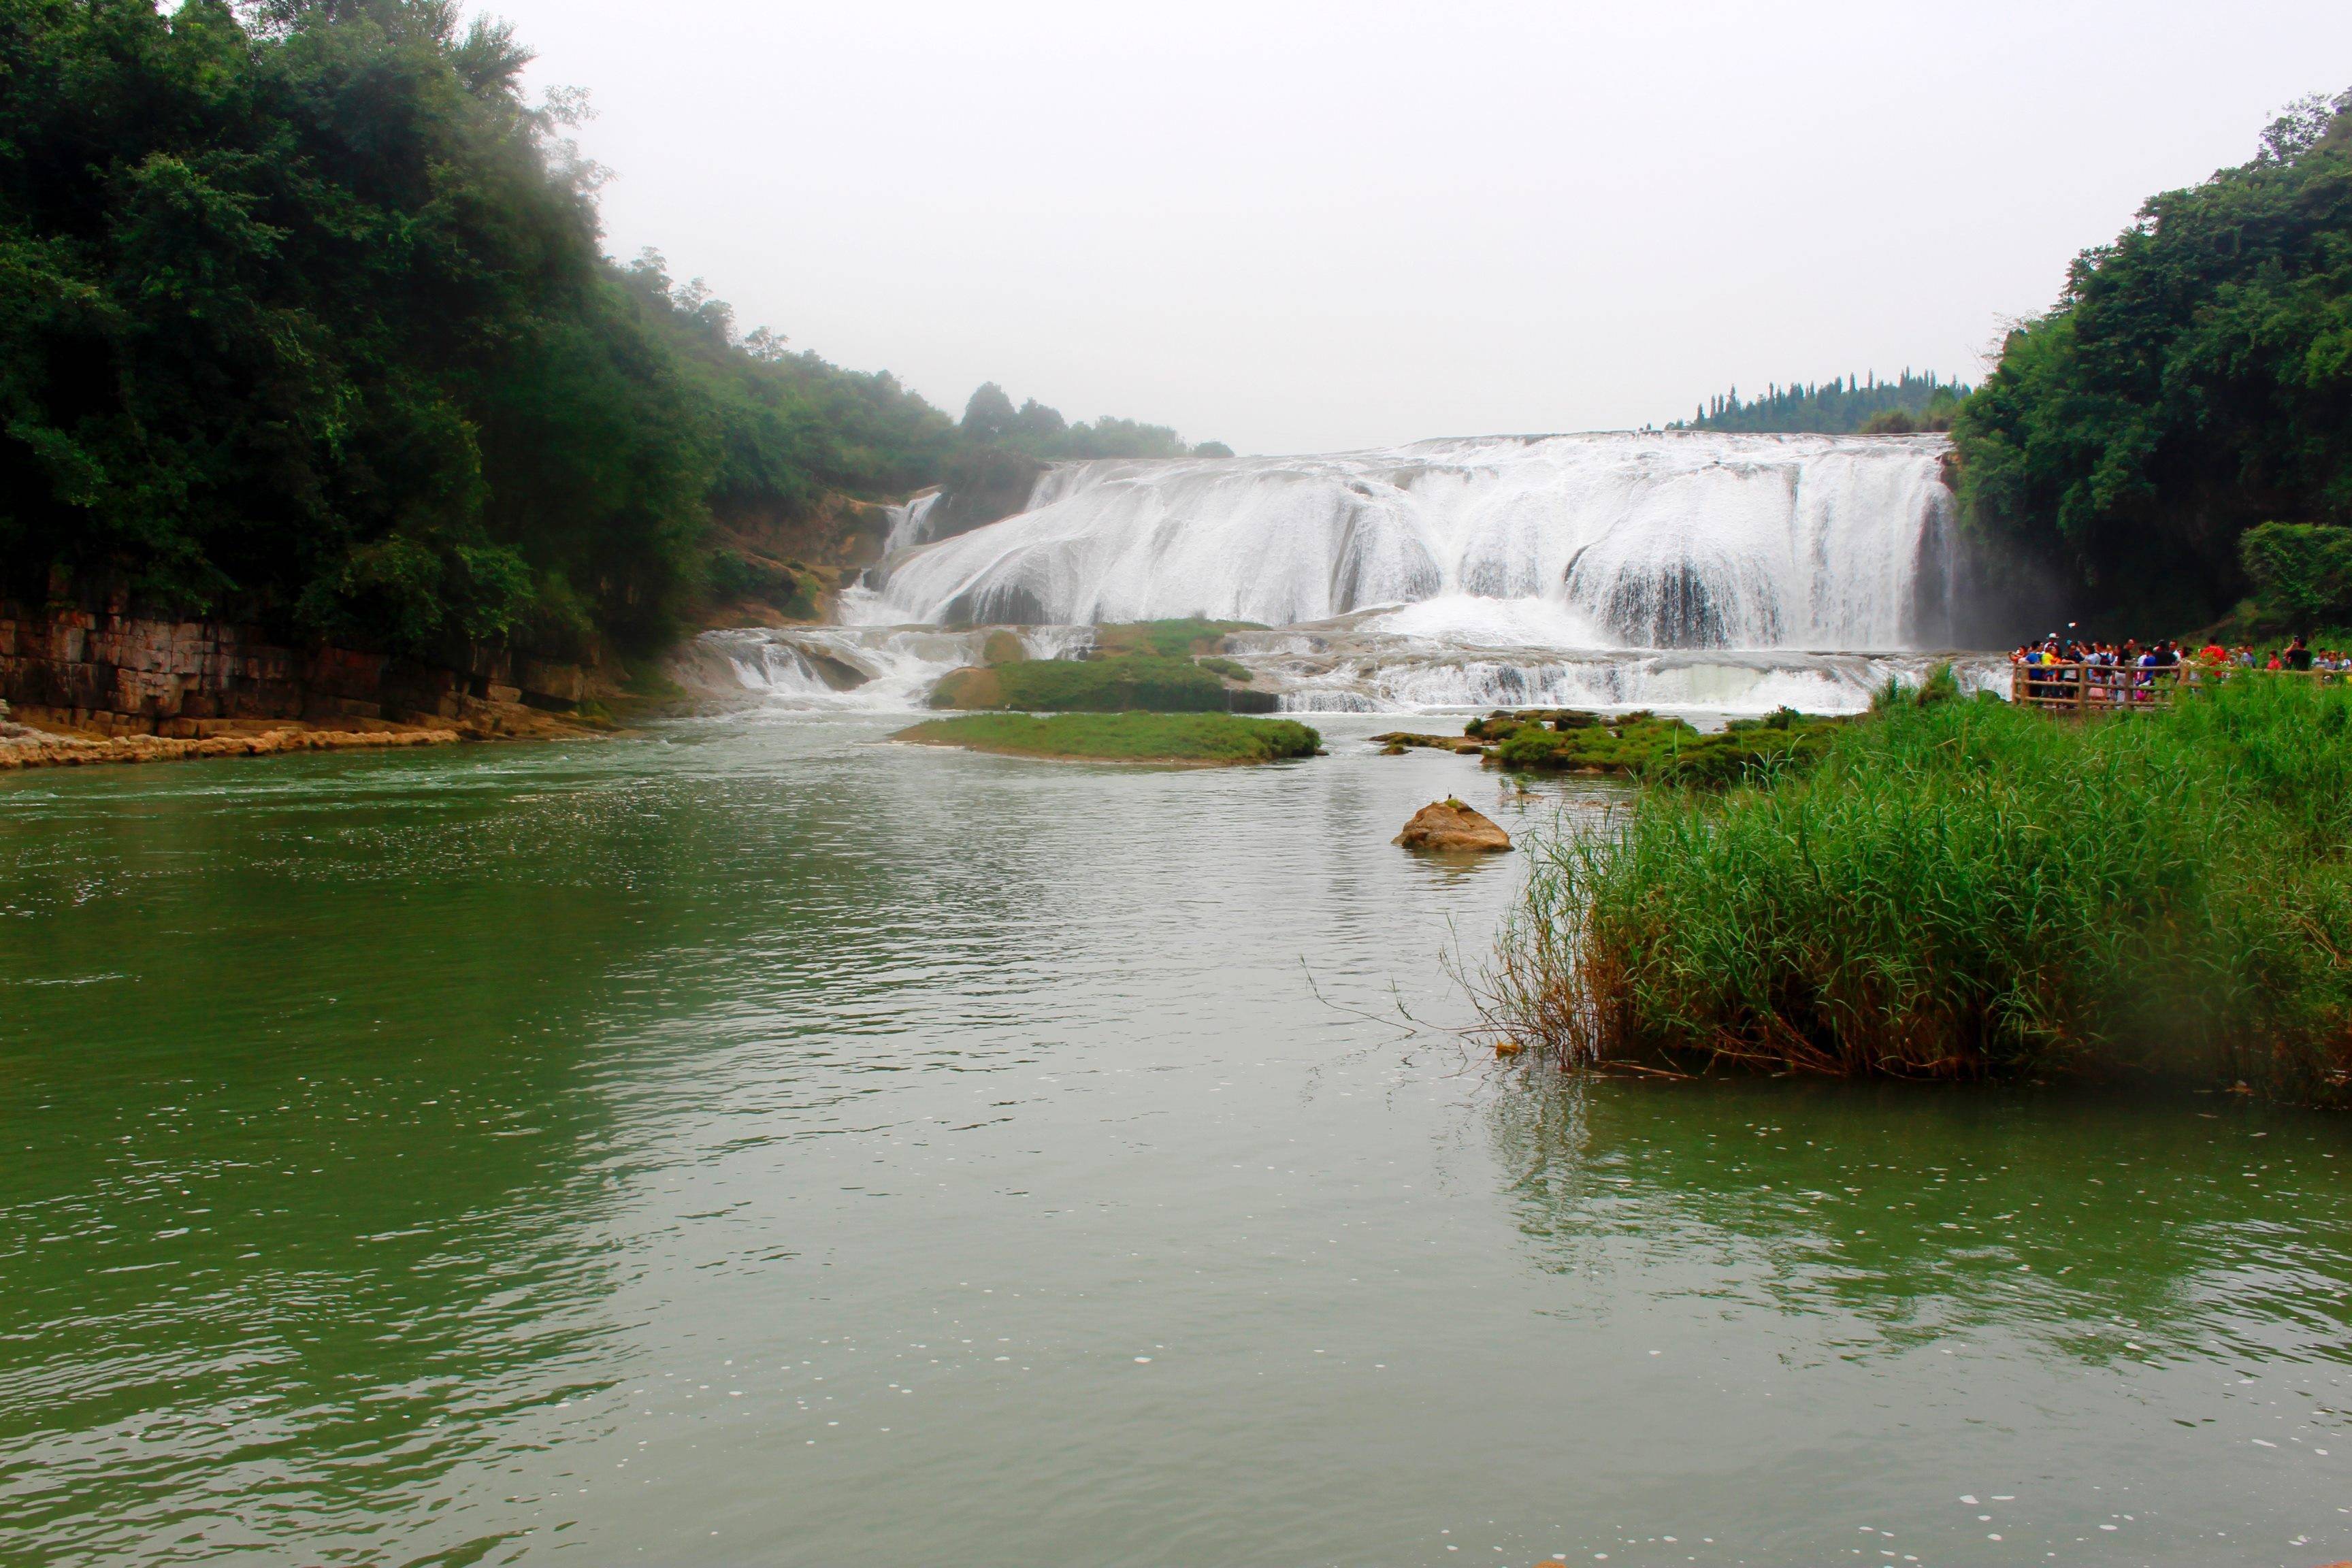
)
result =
(1465, 618)
(846, 669)
(1356, 669)
(910, 523)
(1355, 665)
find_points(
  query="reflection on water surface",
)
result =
(757, 1143)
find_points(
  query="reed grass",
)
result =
(1969, 889)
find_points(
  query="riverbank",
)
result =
(1969, 889)
(37, 749)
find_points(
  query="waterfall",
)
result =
(910, 525)
(1666, 540)
(848, 668)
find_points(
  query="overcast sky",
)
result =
(1303, 226)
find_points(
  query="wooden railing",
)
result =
(2113, 688)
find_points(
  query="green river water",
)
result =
(749, 1142)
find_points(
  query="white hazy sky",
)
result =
(1301, 227)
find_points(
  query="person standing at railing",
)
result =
(2298, 654)
(2101, 675)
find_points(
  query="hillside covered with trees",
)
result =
(2192, 384)
(990, 419)
(1843, 406)
(305, 318)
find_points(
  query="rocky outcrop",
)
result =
(982, 486)
(971, 687)
(112, 673)
(1449, 824)
(776, 570)
(1396, 743)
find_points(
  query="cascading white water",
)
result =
(844, 667)
(1647, 540)
(1553, 571)
(910, 525)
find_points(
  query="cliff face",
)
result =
(770, 571)
(114, 673)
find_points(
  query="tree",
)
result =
(2194, 380)
(303, 317)
(989, 416)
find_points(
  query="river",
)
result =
(749, 1141)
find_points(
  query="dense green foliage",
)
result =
(2195, 380)
(1124, 737)
(1962, 889)
(1665, 751)
(303, 316)
(991, 420)
(1840, 406)
(2301, 573)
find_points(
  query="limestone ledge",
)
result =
(42, 751)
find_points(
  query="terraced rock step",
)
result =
(40, 751)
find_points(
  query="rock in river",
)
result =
(1450, 824)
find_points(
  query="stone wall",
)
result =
(122, 674)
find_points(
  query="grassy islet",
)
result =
(1191, 738)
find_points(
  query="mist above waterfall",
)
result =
(1650, 540)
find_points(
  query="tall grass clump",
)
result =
(1962, 889)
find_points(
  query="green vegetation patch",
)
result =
(1087, 685)
(1168, 639)
(1504, 723)
(1966, 889)
(735, 577)
(1196, 738)
(2302, 578)
(1396, 743)
(1143, 667)
(1664, 750)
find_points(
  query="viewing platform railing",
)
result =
(2121, 687)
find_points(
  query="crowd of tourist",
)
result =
(2165, 654)
(2130, 671)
